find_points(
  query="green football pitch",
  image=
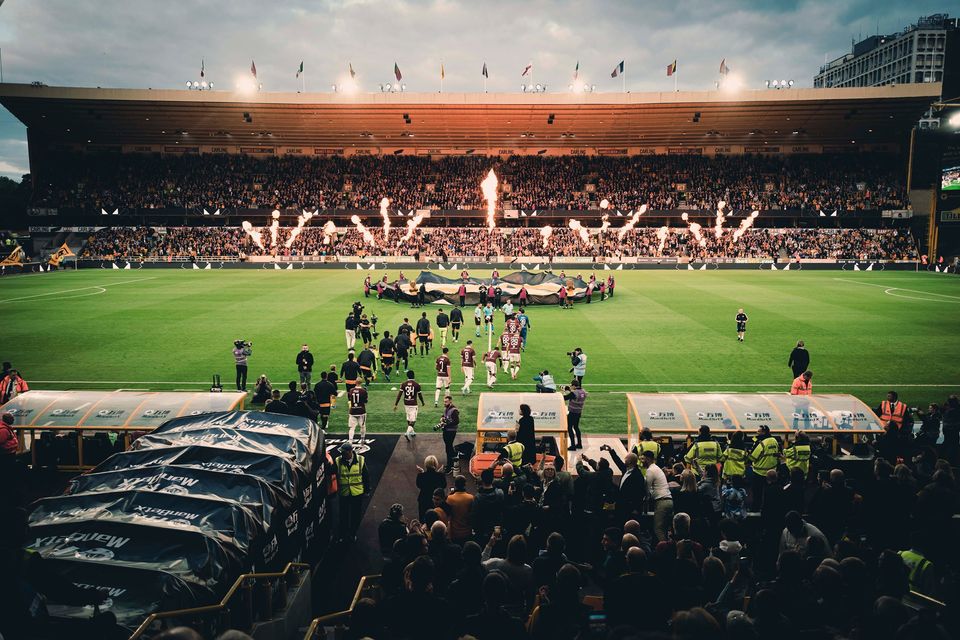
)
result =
(664, 331)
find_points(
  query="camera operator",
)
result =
(545, 383)
(365, 331)
(241, 351)
(357, 311)
(578, 360)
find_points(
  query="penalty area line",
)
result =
(95, 286)
(887, 289)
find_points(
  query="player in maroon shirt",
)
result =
(514, 342)
(468, 360)
(490, 359)
(410, 392)
(504, 343)
(443, 376)
(357, 397)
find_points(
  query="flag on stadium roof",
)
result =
(201, 67)
(527, 69)
(253, 68)
(396, 72)
(576, 71)
(353, 74)
(617, 70)
(300, 70)
(724, 69)
(484, 72)
(671, 68)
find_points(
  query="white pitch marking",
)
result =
(895, 295)
(889, 288)
(95, 286)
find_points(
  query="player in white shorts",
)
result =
(409, 392)
(514, 343)
(504, 343)
(468, 360)
(443, 376)
(490, 362)
(357, 397)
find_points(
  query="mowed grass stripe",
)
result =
(663, 331)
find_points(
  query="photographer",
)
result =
(576, 397)
(366, 335)
(578, 360)
(545, 383)
(262, 390)
(241, 351)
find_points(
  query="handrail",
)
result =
(224, 602)
(928, 600)
(331, 617)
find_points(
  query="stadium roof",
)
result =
(522, 121)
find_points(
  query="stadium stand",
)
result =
(136, 181)
(170, 242)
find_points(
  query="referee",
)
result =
(741, 324)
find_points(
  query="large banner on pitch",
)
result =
(542, 287)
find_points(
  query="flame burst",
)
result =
(386, 218)
(412, 225)
(605, 222)
(301, 220)
(694, 229)
(256, 236)
(545, 233)
(662, 234)
(329, 232)
(489, 188)
(581, 231)
(721, 218)
(745, 224)
(274, 227)
(367, 236)
(632, 222)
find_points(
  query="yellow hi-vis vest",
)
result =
(702, 454)
(734, 462)
(918, 566)
(798, 457)
(646, 445)
(765, 455)
(514, 452)
(350, 477)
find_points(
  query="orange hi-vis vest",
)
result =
(893, 412)
(801, 387)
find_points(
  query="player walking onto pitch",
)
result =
(357, 397)
(490, 359)
(410, 392)
(478, 318)
(443, 324)
(423, 334)
(386, 354)
(524, 320)
(514, 343)
(468, 360)
(741, 324)
(505, 351)
(456, 321)
(443, 376)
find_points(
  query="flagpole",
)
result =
(676, 82)
(623, 80)
(484, 84)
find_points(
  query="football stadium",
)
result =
(602, 356)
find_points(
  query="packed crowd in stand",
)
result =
(845, 182)
(440, 242)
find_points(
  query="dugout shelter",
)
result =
(497, 414)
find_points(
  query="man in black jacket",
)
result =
(633, 488)
(305, 364)
(799, 359)
(423, 334)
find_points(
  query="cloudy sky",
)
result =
(152, 43)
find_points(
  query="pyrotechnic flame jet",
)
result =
(489, 188)
(662, 234)
(367, 236)
(412, 225)
(721, 218)
(581, 231)
(301, 220)
(329, 232)
(745, 224)
(694, 230)
(274, 228)
(256, 236)
(632, 222)
(386, 218)
(605, 222)
(545, 233)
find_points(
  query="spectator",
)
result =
(514, 568)
(526, 435)
(462, 508)
(392, 528)
(262, 390)
(406, 612)
(561, 615)
(797, 534)
(488, 506)
(493, 620)
(11, 386)
(429, 479)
